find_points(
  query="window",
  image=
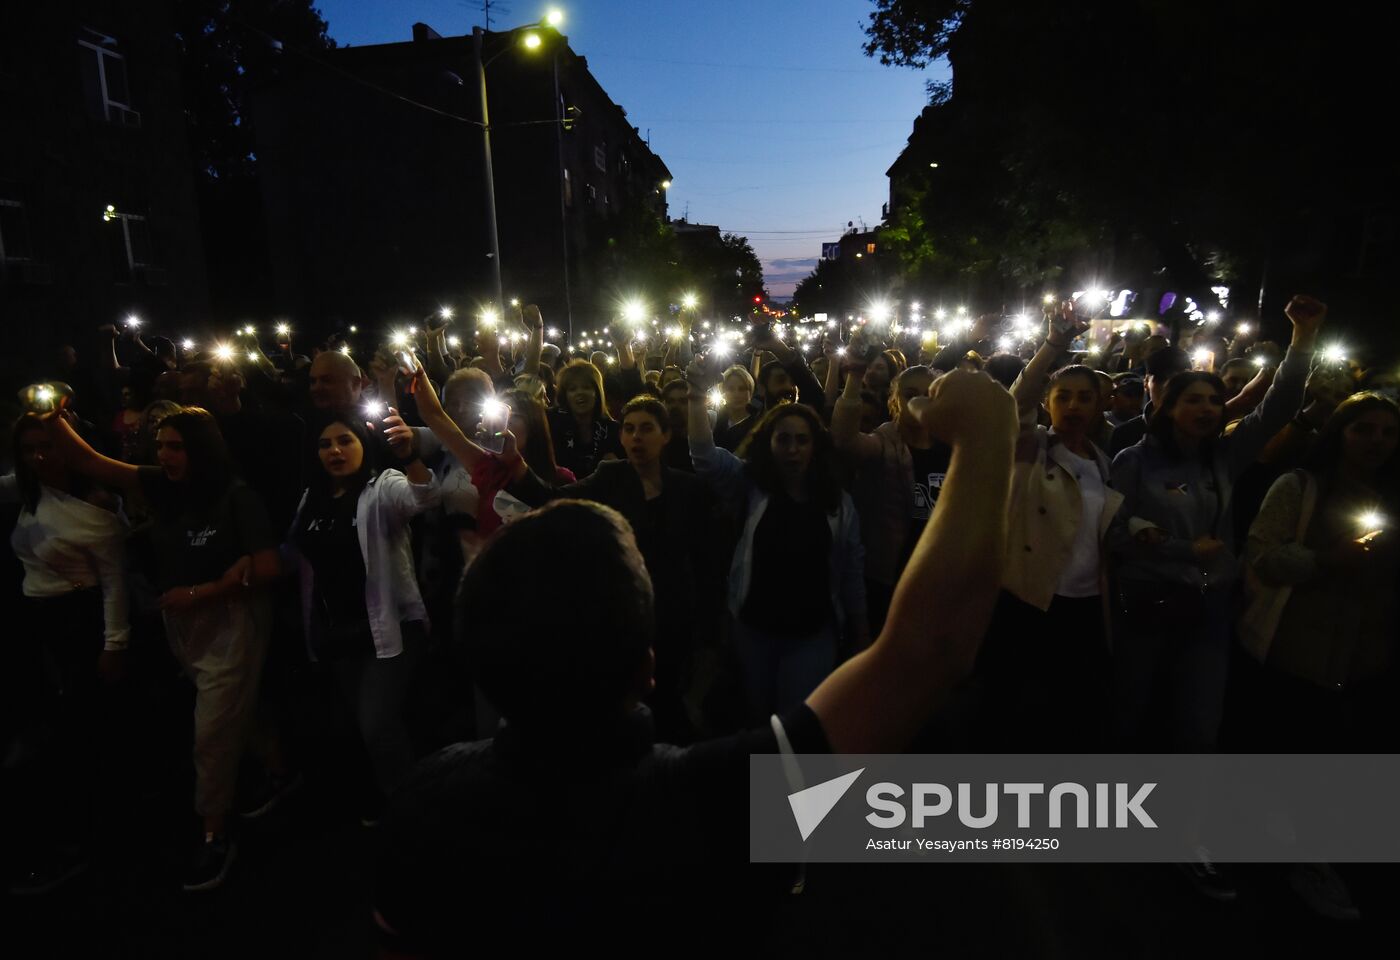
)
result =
(105, 86)
(600, 157)
(870, 248)
(15, 243)
(130, 245)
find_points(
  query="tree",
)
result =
(1192, 143)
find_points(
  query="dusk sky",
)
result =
(773, 122)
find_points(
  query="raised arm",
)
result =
(88, 462)
(878, 700)
(467, 451)
(845, 423)
(715, 465)
(1061, 327)
(534, 345)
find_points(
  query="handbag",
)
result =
(1265, 602)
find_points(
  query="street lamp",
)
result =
(531, 41)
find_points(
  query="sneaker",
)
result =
(46, 877)
(273, 792)
(210, 864)
(1207, 877)
(1323, 890)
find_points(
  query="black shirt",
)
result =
(790, 584)
(598, 828)
(328, 538)
(930, 470)
(196, 542)
(578, 453)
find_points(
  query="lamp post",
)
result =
(532, 42)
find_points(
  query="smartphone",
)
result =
(407, 363)
(46, 397)
(757, 332)
(491, 429)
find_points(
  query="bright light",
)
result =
(606, 330)
(345, 349)
(1261, 360)
(223, 352)
(398, 339)
(716, 397)
(553, 333)
(489, 319)
(514, 301)
(532, 41)
(665, 184)
(1371, 520)
(840, 351)
(554, 17)
(1049, 298)
(109, 213)
(914, 305)
(252, 356)
(673, 332)
(454, 342)
(721, 349)
(445, 313)
(940, 314)
(133, 321)
(187, 344)
(634, 311)
(44, 394)
(1005, 344)
(493, 410)
(1095, 349)
(689, 301)
(283, 329)
(880, 312)
(962, 311)
(611, 359)
(1202, 357)
(250, 330)
(1213, 316)
(354, 329)
(413, 331)
(374, 410)
(1335, 353)
(930, 336)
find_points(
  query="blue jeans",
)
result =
(780, 672)
(1171, 659)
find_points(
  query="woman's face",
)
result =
(340, 451)
(37, 454)
(914, 385)
(737, 393)
(1199, 412)
(643, 438)
(520, 426)
(581, 397)
(171, 455)
(791, 445)
(877, 376)
(1075, 404)
(1369, 441)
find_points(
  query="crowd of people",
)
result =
(528, 575)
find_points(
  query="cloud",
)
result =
(788, 269)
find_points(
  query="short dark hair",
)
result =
(1071, 371)
(642, 403)
(1167, 363)
(1004, 368)
(674, 385)
(576, 657)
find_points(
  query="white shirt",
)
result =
(68, 544)
(1080, 577)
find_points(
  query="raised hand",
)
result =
(964, 406)
(1307, 314)
(400, 435)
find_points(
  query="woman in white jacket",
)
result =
(71, 540)
(797, 580)
(362, 610)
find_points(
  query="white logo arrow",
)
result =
(810, 806)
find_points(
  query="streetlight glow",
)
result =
(532, 41)
(554, 17)
(665, 184)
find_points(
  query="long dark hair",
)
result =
(581, 370)
(1161, 426)
(210, 467)
(1326, 453)
(319, 484)
(757, 449)
(30, 489)
(539, 446)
